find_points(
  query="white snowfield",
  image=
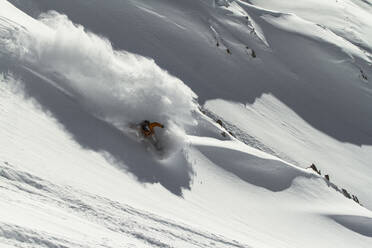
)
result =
(291, 82)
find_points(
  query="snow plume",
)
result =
(116, 86)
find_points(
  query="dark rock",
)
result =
(232, 134)
(346, 194)
(312, 166)
(253, 54)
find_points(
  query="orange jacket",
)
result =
(151, 126)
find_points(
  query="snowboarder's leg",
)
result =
(154, 141)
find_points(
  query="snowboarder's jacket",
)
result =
(148, 127)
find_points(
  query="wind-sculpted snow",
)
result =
(72, 176)
(250, 165)
(106, 219)
(349, 19)
(358, 224)
(291, 138)
(116, 86)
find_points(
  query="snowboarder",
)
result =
(147, 127)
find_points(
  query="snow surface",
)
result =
(76, 74)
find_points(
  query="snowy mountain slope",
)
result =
(286, 70)
(292, 139)
(72, 175)
(89, 200)
(350, 19)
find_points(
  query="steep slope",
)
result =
(57, 192)
(276, 129)
(73, 175)
(303, 59)
(349, 19)
(315, 63)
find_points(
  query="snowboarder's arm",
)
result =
(156, 124)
